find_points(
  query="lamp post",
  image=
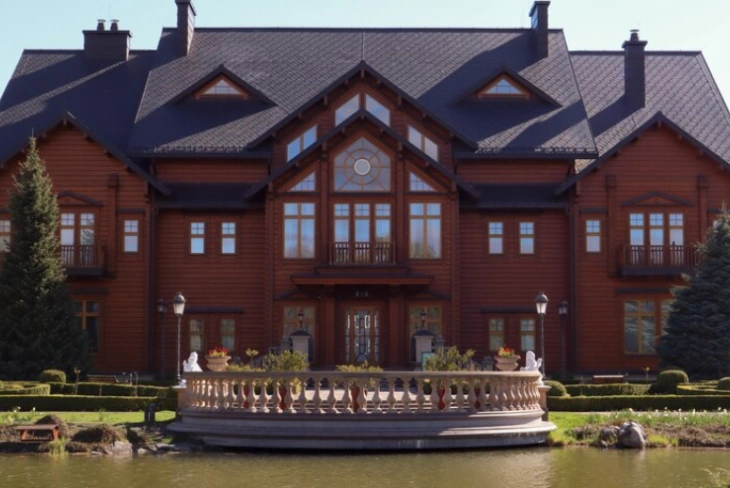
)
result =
(541, 302)
(423, 320)
(161, 309)
(178, 306)
(563, 314)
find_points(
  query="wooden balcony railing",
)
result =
(83, 258)
(656, 260)
(362, 253)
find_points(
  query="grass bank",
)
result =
(663, 428)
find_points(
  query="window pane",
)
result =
(631, 334)
(197, 245)
(309, 137)
(593, 226)
(495, 228)
(307, 209)
(417, 209)
(434, 238)
(228, 245)
(292, 149)
(87, 237)
(593, 244)
(431, 149)
(527, 245)
(377, 109)
(228, 228)
(291, 238)
(347, 109)
(196, 335)
(433, 209)
(636, 220)
(307, 238)
(131, 243)
(228, 334)
(92, 333)
(416, 234)
(131, 226)
(648, 334)
(496, 245)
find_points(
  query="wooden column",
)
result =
(395, 326)
(611, 224)
(702, 187)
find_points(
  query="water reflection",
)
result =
(518, 468)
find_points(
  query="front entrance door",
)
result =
(362, 334)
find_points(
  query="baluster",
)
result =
(331, 398)
(347, 388)
(250, 391)
(472, 397)
(492, 392)
(406, 398)
(377, 399)
(460, 385)
(263, 397)
(215, 394)
(420, 398)
(362, 399)
(303, 396)
(289, 385)
(391, 395)
(434, 396)
(447, 393)
(483, 395)
(318, 395)
(275, 397)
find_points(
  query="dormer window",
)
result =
(503, 86)
(306, 139)
(418, 139)
(222, 87)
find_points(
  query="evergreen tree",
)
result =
(697, 335)
(38, 327)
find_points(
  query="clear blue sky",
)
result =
(588, 24)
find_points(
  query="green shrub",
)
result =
(667, 381)
(25, 389)
(724, 384)
(55, 375)
(70, 403)
(557, 390)
(610, 389)
(62, 388)
(635, 402)
(285, 361)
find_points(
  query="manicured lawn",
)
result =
(86, 417)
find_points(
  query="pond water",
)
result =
(514, 468)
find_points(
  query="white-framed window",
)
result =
(593, 236)
(197, 237)
(228, 238)
(527, 238)
(131, 236)
(299, 226)
(422, 142)
(496, 238)
(425, 230)
(301, 142)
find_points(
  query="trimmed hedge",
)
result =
(724, 384)
(635, 402)
(52, 375)
(557, 390)
(667, 381)
(694, 390)
(110, 389)
(26, 389)
(71, 403)
(610, 389)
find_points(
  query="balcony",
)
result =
(84, 260)
(656, 260)
(362, 253)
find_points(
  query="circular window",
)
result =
(362, 166)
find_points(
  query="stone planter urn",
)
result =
(217, 363)
(506, 363)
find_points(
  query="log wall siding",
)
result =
(68, 154)
(513, 171)
(213, 280)
(658, 161)
(512, 280)
(211, 171)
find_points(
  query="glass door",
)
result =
(362, 334)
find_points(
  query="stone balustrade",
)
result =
(392, 392)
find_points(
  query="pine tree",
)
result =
(697, 335)
(38, 327)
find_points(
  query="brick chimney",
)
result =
(539, 17)
(106, 45)
(185, 26)
(635, 70)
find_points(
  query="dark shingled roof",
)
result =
(435, 67)
(209, 196)
(47, 85)
(679, 89)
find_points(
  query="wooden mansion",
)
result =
(355, 187)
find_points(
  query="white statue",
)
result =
(532, 364)
(190, 365)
